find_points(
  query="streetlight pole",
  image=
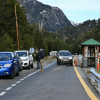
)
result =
(17, 24)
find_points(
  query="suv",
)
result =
(9, 64)
(26, 58)
(64, 56)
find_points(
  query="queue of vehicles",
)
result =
(11, 63)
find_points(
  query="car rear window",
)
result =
(64, 53)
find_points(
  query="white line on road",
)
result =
(1, 94)
(14, 85)
(18, 81)
(22, 79)
(8, 88)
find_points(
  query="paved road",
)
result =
(55, 83)
(5, 80)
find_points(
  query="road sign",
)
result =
(31, 50)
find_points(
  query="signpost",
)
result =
(31, 50)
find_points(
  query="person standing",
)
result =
(38, 59)
(41, 53)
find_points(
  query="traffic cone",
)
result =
(76, 61)
(42, 70)
(98, 63)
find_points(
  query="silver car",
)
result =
(64, 56)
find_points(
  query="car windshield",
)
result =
(64, 53)
(22, 54)
(5, 56)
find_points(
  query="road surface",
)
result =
(57, 82)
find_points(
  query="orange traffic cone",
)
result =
(42, 70)
(76, 61)
(98, 63)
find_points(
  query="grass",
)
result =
(98, 71)
(88, 71)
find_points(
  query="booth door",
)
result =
(91, 56)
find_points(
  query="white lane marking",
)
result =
(50, 64)
(8, 88)
(2, 93)
(28, 75)
(18, 81)
(22, 79)
(13, 85)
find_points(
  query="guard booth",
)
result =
(90, 52)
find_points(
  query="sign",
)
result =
(31, 50)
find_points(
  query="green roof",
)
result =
(90, 42)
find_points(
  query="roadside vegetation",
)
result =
(29, 34)
(98, 71)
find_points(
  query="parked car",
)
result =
(64, 56)
(26, 58)
(9, 64)
(20, 62)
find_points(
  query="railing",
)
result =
(95, 79)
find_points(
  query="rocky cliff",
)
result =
(52, 18)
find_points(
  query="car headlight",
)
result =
(7, 65)
(60, 57)
(70, 57)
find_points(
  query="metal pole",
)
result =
(17, 24)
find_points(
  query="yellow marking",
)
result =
(87, 89)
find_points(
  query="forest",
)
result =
(31, 36)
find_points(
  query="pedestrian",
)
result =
(41, 52)
(38, 59)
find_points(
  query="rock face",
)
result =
(52, 18)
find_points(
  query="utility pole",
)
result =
(17, 23)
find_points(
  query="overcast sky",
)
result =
(77, 10)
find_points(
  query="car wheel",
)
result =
(71, 63)
(21, 68)
(29, 66)
(58, 63)
(18, 73)
(32, 65)
(12, 75)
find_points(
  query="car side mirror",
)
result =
(15, 59)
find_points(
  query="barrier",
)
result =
(95, 79)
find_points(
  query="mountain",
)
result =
(52, 18)
(75, 31)
(73, 23)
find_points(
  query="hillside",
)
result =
(52, 18)
(74, 31)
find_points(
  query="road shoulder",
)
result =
(87, 81)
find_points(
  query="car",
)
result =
(9, 64)
(64, 56)
(26, 58)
